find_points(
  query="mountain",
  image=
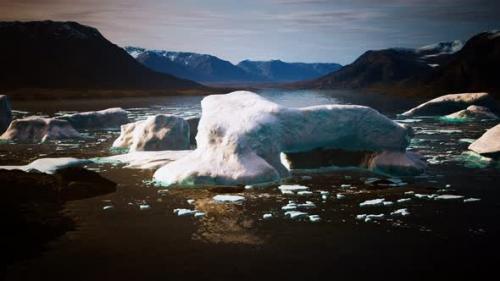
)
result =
(279, 71)
(474, 68)
(198, 67)
(210, 69)
(389, 66)
(68, 55)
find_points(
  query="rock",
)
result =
(488, 144)
(241, 136)
(5, 113)
(107, 118)
(160, 132)
(193, 129)
(473, 112)
(37, 129)
(448, 104)
(48, 165)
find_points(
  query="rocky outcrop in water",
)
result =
(107, 118)
(5, 113)
(241, 137)
(38, 129)
(160, 132)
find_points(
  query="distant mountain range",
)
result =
(427, 71)
(211, 69)
(68, 55)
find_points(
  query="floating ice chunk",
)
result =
(307, 205)
(108, 207)
(267, 216)
(373, 202)
(369, 217)
(287, 192)
(249, 186)
(49, 165)
(470, 200)
(304, 193)
(289, 207)
(404, 200)
(314, 218)
(295, 214)
(144, 207)
(361, 217)
(448, 197)
(410, 192)
(190, 201)
(323, 192)
(324, 197)
(400, 212)
(425, 196)
(229, 198)
(292, 188)
(345, 186)
(388, 203)
(199, 214)
(340, 196)
(184, 212)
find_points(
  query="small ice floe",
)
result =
(324, 197)
(247, 187)
(409, 120)
(291, 189)
(340, 196)
(184, 212)
(369, 217)
(373, 202)
(323, 192)
(108, 207)
(470, 200)
(409, 192)
(293, 206)
(448, 197)
(307, 205)
(229, 198)
(144, 207)
(401, 212)
(190, 201)
(295, 214)
(199, 214)
(447, 186)
(425, 196)
(304, 193)
(290, 206)
(267, 216)
(314, 218)
(388, 203)
(345, 186)
(403, 200)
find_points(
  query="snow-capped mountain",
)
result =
(211, 69)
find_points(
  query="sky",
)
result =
(290, 30)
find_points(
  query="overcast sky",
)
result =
(291, 30)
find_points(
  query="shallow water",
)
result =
(116, 239)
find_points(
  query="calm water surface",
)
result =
(438, 239)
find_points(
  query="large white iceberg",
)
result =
(241, 136)
(156, 133)
(37, 129)
(5, 113)
(489, 143)
(448, 104)
(107, 118)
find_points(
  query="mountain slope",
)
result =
(279, 71)
(69, 55)
(211, 69)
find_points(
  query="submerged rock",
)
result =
(5, 113)
(448, 104)
(160, 132)
(107, 118)
(241, 136)
(37, 129)
(473, 112)
(488, 144)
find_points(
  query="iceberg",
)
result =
(242, 135)
(449, 104)
(5, 113)
(36, 129)
(472, 112)
(107, 118)
(159, 132)
(49, 165)
(488, 144)
(144, 159)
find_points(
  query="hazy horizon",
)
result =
(288, 30)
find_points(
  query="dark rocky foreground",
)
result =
(31, 208)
